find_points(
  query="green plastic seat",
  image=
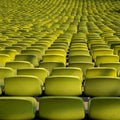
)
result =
(41, 48)
(63, 85)
(80, 58)
(5, 72)
(101, 71)
(54, 58)
(17, 108)
(23, 45)
(55, 51)
(4, 58)
(17, 48)
(83, 45)
(106, 59)
(104, 108)
(102, 86)
(11, 52)
(99, 52)
(51, 65)
(27, 57)
(115, 65)
(22, 85)
(116, 49)
(78, 52)
(61, 108)
(71, 71)
(41, 73)
(19, 65)
(82, 65)
(35, 52)
(41, 45)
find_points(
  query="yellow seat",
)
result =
(14, 107)
(106, 59)
(100, 86)
(80, 58)
(35, 52)
(73, 85)
(22, 85)
(104, 108)
(54, 58)
(4, 58)
(101, 71)
(5, 72)
(70, 71)
(27, 57)
(41, 73)
(55, 107)
(51, 65)
(19, 65)
(11, 52)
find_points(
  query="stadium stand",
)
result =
(59, 59)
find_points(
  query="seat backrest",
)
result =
(14, 107)
(101, 71)
(5, 72)
(99, 52)
(54, 58)
(22, 86)
(80, 58)
(71, 71)
(82, 65)
(115, 65)
(63, 85)
(27, 57)
(106, 59)
(4, 58)
(41, 73)
(35, 52)
(19, 64)
(51, 65)
(56, 107)
(104, 108)
(102, 86)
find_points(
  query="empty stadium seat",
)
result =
(54, 58)
(10, 52)
(51, 65)
(5, 72)
(102, 86)
(56, 107)
(41, 48)
(63, 85)
(55, 51)
(100, 52)
(80, 58)
(41, 73)
(19, 65)
(17, 48)
(22, 86)
(35, 52)
(104, 108)
(4, 59)
(17, 108)
(78, 52)
(82, 65)
(101, 71)
(72, 71)
(27, 57)
(106, 59)
(115, 65)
